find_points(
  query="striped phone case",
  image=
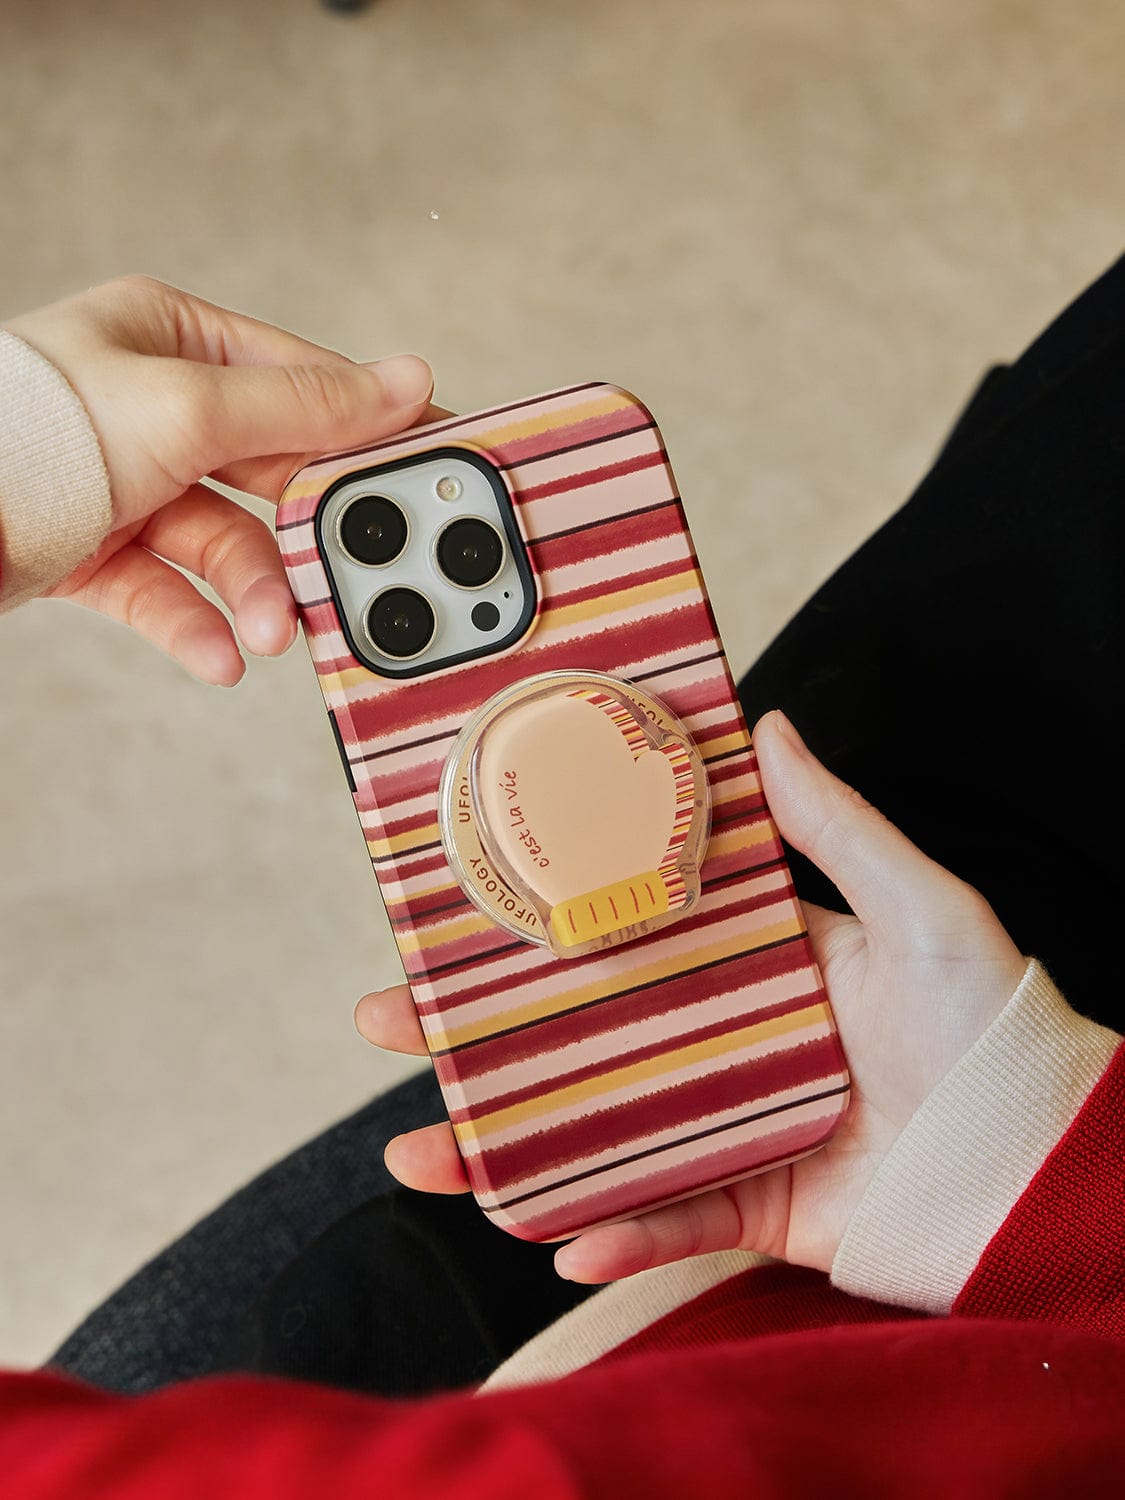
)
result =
(584, 1090)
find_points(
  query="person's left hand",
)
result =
(915, 976)
(180, 391)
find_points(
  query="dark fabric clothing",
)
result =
(324, 1268)
(961, 670)
(168, 1321)
(408, 1294)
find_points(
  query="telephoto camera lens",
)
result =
(469, 552)
(373, 530)
(401, 623)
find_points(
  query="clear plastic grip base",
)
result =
(574, 810)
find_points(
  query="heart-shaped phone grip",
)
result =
(574, 811)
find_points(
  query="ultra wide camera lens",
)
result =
(373, 530)
(469, 552)
(401, 623)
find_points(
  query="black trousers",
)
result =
(963, 671)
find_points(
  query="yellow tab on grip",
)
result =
(609, 909)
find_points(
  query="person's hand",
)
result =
(179, 391)
(915, 977)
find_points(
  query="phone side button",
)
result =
(343, 753)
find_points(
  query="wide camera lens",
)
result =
(373, 530)
(469, 552)
(401, 623)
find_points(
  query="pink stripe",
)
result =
(738, 976)
(586, 1072)
(621, 422)
(733, 901)
(689, 1103)
(656, 1186)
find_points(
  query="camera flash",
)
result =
(448, 488)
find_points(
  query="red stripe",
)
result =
(748, 809)
(736, 1087)
(297, 557)
(457, 694)
(585, 477)
(613, 534)
(422, 775)
(397, 827)
(728, 770)
(700, 695)
(520, 451)
(604, 587)
(715, 871)
(639, 1194)
(716, 906)
(423, 911)
(386, 788)
(407, 867)
(735, 976)
(635, 1055)
(322, 619)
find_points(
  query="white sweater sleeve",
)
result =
(54, 490)
(955, 1173)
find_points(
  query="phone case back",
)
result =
(585, 1090)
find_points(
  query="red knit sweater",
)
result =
(774, 1383)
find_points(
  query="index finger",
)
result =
(388, 1019)
(268, 476)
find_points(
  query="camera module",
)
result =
(373, 530)
(469, 552)
(401, 623)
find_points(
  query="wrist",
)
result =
(54, 489)
(971, 1149)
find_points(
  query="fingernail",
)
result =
(788, 733)
(563, 1259)
(407, 379)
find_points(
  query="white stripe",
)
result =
(549, 468)
(819, 1115)
(629, 1093)
(669, 951)
(616, 1045)
(603, 500)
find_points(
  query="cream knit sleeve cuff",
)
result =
(54, 489)
(971, 1149)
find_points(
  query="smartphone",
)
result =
(562, 806)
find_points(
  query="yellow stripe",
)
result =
(447, 887)
(557, 1004)
(447, 932)
(417, 838)
(350, 677)
(561, 617)
(507, 432)
(473, 1131)
(719, 744)
(546, 421)
(404, 843)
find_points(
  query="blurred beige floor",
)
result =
(800, 229)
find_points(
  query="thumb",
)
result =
(248, 411)
(884, 878)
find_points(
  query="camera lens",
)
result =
(469, 552)
(373, 530)
(401, 623)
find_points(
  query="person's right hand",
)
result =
(180, 391)
(915, 977)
